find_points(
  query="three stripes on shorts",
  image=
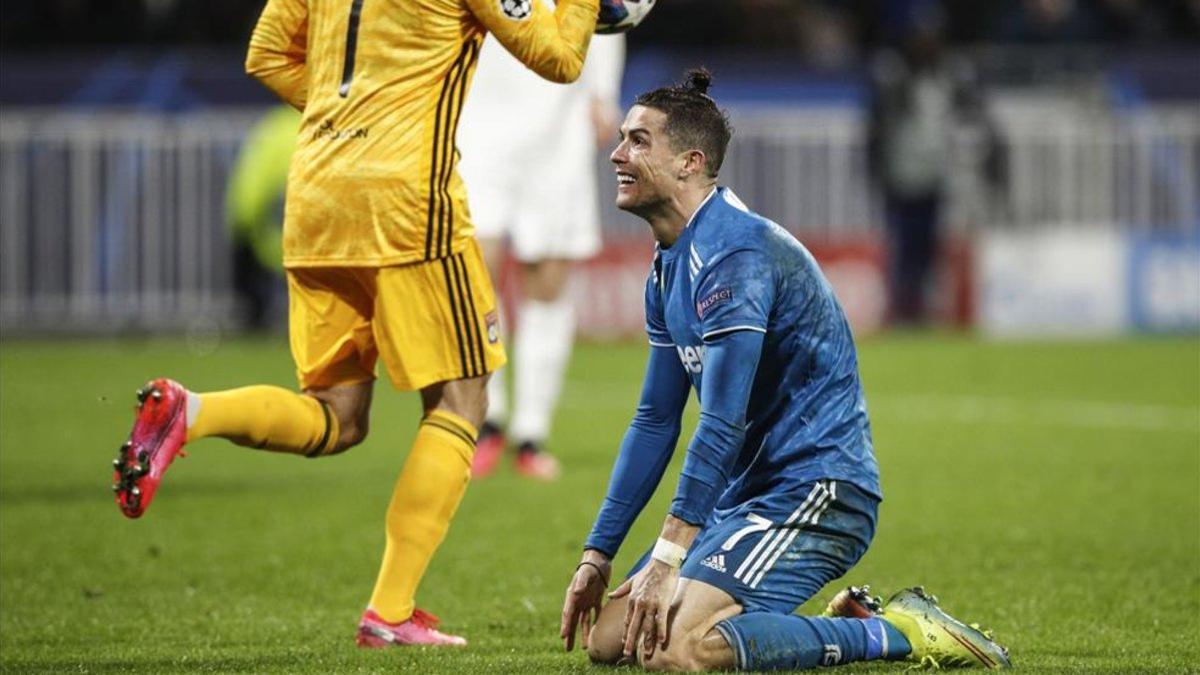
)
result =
(771, 547)
(466, 317)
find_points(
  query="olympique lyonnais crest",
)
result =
(493, 326)
(516, 9)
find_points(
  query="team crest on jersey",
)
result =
(516, 9)
(492, 319)
(717, 297)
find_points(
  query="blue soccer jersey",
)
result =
(734, 277)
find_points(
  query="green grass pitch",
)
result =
(1048, 490)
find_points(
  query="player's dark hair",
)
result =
(693, 118)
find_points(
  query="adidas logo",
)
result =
(716, 562)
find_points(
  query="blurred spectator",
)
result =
(919, 96)
(547, 224)
(254, 213)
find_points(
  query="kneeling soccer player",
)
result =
(779, 490)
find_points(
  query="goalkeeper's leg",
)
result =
(312, 424)
(426, 495)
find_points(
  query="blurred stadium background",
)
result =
(1039, 432)
(122, 122)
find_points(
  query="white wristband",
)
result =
(669, 552)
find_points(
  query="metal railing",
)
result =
(1138, 171)
(111, 221)
(116, 220)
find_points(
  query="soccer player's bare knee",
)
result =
(351, 435)
(351, 405)
(694, 642)
(607, 636)
(466, 398)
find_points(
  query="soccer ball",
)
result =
(618, 16)
(516, 9)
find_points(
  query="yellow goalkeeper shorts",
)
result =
(431, 322)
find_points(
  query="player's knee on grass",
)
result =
(607, 636)
(694, 642)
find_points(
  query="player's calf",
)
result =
(691, 653)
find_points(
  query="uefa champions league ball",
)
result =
(516, 9)
(618, 16)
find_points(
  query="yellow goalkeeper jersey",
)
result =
(381, 84)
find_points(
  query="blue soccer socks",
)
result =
(765, 641)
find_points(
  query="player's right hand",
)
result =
(585, 594)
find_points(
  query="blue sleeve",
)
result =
(730, 363)
(645, 451)
(733, 301)
(736, 294)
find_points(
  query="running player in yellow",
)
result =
(381, 262)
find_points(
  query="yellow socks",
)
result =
(264, 417)
(426, 495)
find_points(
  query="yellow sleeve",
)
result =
(551, 44)
(277, 50)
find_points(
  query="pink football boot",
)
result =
(159, 432)
(488, 450)
(534, 462)
(419, 629)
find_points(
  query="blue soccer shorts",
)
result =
(776, 551)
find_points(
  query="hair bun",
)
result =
(698, 80)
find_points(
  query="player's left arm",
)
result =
(552, 44)
(645, 451)
(278, 48)
(734, 299)
(730, 362)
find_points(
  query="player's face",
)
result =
(645, 163)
